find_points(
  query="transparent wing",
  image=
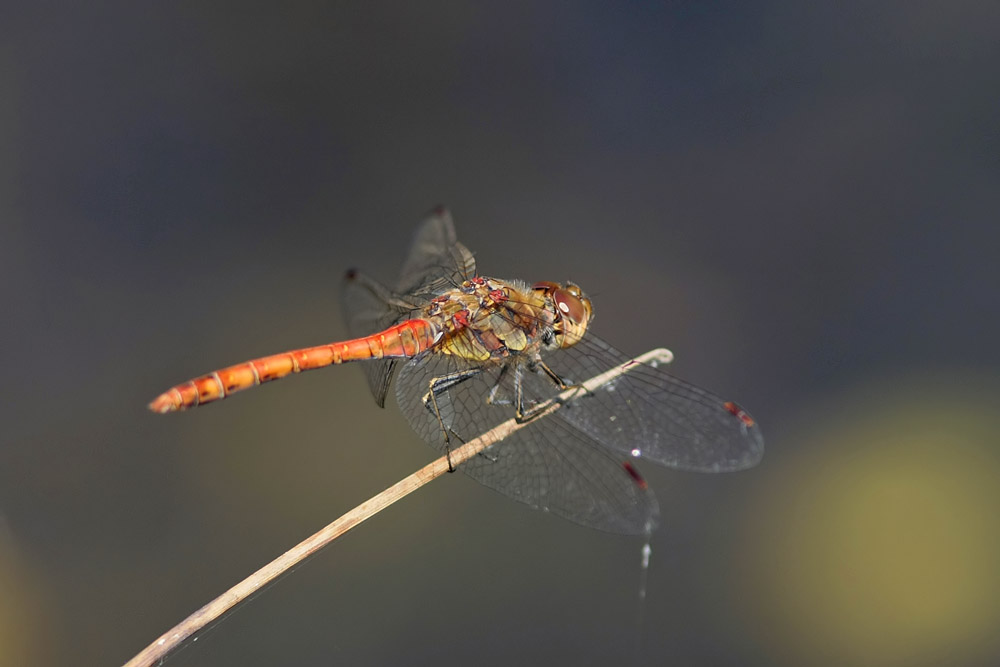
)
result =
(651, 414)
(573, 462)
(437, 261)
(551, 464)
(369, 307)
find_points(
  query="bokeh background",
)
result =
(800, 199)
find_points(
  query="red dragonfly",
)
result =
(482, 350)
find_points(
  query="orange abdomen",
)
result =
(406, 339)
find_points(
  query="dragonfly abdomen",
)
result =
(406, 339)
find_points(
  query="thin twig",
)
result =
(214, 610)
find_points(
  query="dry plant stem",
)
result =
(214, 610)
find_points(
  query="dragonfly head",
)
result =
(572, 311)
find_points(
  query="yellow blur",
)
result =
(878, 540)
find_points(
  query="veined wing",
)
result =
(551, 464)
(436, 262)
(651, 414)
(369, 307)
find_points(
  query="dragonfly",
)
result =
(470, 352)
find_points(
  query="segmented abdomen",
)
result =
(406, 339)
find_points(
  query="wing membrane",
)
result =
(572, 462)
(369, 307)
(652, 414)
(550, 464)
(436, 262)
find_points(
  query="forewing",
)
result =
(437, 260)
(649, 413)
(550, 464)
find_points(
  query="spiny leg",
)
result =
(441, 384)
(491, 398)
(552, 375)
(559, 381)
(523, 415)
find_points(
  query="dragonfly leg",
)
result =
(558, 380)
(437, 386)
(491, 398)
(523, 415)
(520, 414)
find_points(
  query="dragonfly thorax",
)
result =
(487, 318)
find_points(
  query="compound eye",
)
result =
(570, 306)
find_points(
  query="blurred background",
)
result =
(800, 201)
